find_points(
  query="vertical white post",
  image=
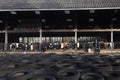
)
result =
(76, 35)
(6, 38)
(75, 40)
(112, 38)
(40, 35)
(40, 31)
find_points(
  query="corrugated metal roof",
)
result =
(58, 4)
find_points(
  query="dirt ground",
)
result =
(73, 51)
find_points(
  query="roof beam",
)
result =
(62, 30)
(37, 12)
(103, 8)
(13, 12)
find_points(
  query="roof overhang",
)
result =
(104, 8)
(31, 5)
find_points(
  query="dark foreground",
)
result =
(59, 67)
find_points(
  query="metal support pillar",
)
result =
(40, 31)
(75, 17)
(76, 40)
(76, 35)
(6, 39)
(112, 38)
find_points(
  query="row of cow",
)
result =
(57, 45)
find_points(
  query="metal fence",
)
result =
(57, 46)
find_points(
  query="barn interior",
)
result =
(59, 26)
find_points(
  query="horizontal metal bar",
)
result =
(61, 30)
(95, 30)
(2, 31)
(54, 9)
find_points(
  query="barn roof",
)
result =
(58, 4)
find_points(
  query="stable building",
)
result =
(38, 21)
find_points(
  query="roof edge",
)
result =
(59, 9)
